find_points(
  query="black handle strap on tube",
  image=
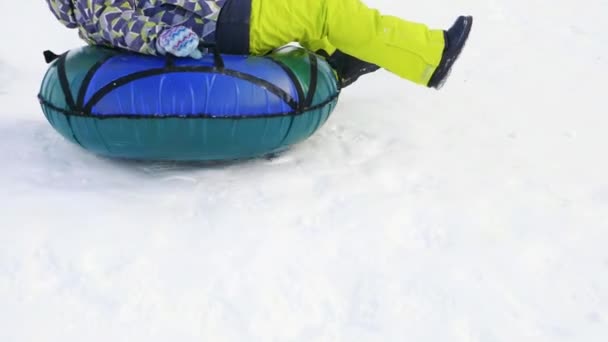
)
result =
(50, 56)
(217, 56)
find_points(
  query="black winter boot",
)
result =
(348, 68)
(455, 40)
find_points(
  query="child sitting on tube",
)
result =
(354, 38)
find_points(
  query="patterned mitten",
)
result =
(179, 41)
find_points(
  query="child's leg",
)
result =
(407, 49)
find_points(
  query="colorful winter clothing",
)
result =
(135, 24)
(179, 41)
(408, 49)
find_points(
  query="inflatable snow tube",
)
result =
(222, 107)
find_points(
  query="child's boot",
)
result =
(455, 40)
(349, 68)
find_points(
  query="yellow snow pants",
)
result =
(409, 50)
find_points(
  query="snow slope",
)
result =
(477, 213)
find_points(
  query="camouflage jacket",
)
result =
(135, 24)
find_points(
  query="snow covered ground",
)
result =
(477, 213)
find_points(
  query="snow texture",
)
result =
(478, 213)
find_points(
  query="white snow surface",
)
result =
(476, 213)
